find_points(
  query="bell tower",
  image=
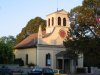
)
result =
(57, 19)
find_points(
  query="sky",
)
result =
(14, 14)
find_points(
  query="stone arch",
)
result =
(59, 20)
(49, 22)
(48, 59)
(64, 21)
(52, 21)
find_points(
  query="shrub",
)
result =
(19, 61)
(31, 64)
(80, 70)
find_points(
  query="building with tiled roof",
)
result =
(45, 48)
(29, 42)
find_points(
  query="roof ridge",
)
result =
(56, 11)
(28, 40)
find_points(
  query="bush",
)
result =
(80, 70)
(31, 64)
(19, 61)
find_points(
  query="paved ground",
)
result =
(83, 74)
(64, 74)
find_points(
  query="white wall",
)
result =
(62, 14)
(21, 53)
(41, 58)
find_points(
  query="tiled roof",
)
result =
(57, 11)
(29, 42)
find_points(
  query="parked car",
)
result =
(47, 71)
(58, 72)
(5, 71)
(17, 71)
(41, 71)
(36, 71)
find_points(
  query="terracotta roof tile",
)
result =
(29, 42)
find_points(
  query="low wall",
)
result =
(95, 70)
(9, 65)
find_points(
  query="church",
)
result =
(45, 48)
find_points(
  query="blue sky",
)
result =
(14, 14)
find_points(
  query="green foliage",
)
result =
(83, 37)
(80, 70)
(74, 10)
(88, 46)
(91, 3)
(31, 27)
(6, 49)
(31, 65)
(86, 17)
(19, 61)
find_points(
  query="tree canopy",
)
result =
(83, 37)
(6, 49)
(31, 27)
(85, 16)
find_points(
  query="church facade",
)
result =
(45, 48)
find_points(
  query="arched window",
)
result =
(52, 21)
(59, 21)
(48, 59)
(48, 22)
(64, 21)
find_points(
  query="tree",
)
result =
(6, 49)
(31, 27)
(83, 37)
(85, 16)
(88, 46)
